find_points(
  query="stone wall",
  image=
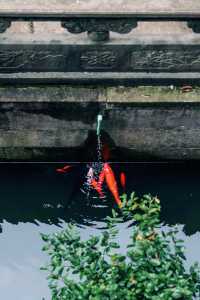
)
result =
(55, 122)
(103, 5)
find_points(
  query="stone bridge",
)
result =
(103, 59)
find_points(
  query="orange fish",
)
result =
(60, 170)
(64, 169)
(112, 184)
(123, 180)
(97, 187)
(101, 178)
(100, 183)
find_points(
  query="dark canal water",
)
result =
(35, 199)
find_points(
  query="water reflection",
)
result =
(35, 199)
(37, 194)
(32, 193)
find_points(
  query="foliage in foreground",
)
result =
(152, 268)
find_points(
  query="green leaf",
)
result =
(151, 268)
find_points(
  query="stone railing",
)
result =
(99, 58)
(99, 25)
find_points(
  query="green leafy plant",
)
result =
(152, 268)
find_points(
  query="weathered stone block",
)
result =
(140, 59)
(37, 124)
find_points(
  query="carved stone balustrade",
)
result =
(98, 28)
(72, 58)
(194, 25)
(4, 25)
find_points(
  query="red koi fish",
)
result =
(60, 171)
(123, 180)
(101, 178)
(100, 183)
(97, 187)
(64, 169)
(112, 184)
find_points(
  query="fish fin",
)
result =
(67, 167)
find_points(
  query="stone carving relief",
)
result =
(99, 26)
(194, 25)
(27, 59)
(91, 24)
(4, 25)
(165, 59)
(173, 59)
(98, 60)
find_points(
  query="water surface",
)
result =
(35, 199)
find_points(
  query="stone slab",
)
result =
(139, 60)
(102, 5)
(104, 78)
(151, 94)
(141, 95)
(55, 94)
(147, 28)
(139, 56)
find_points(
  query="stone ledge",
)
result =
(98, 94)
(52, 93)
(102, 5)
(103, 78)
